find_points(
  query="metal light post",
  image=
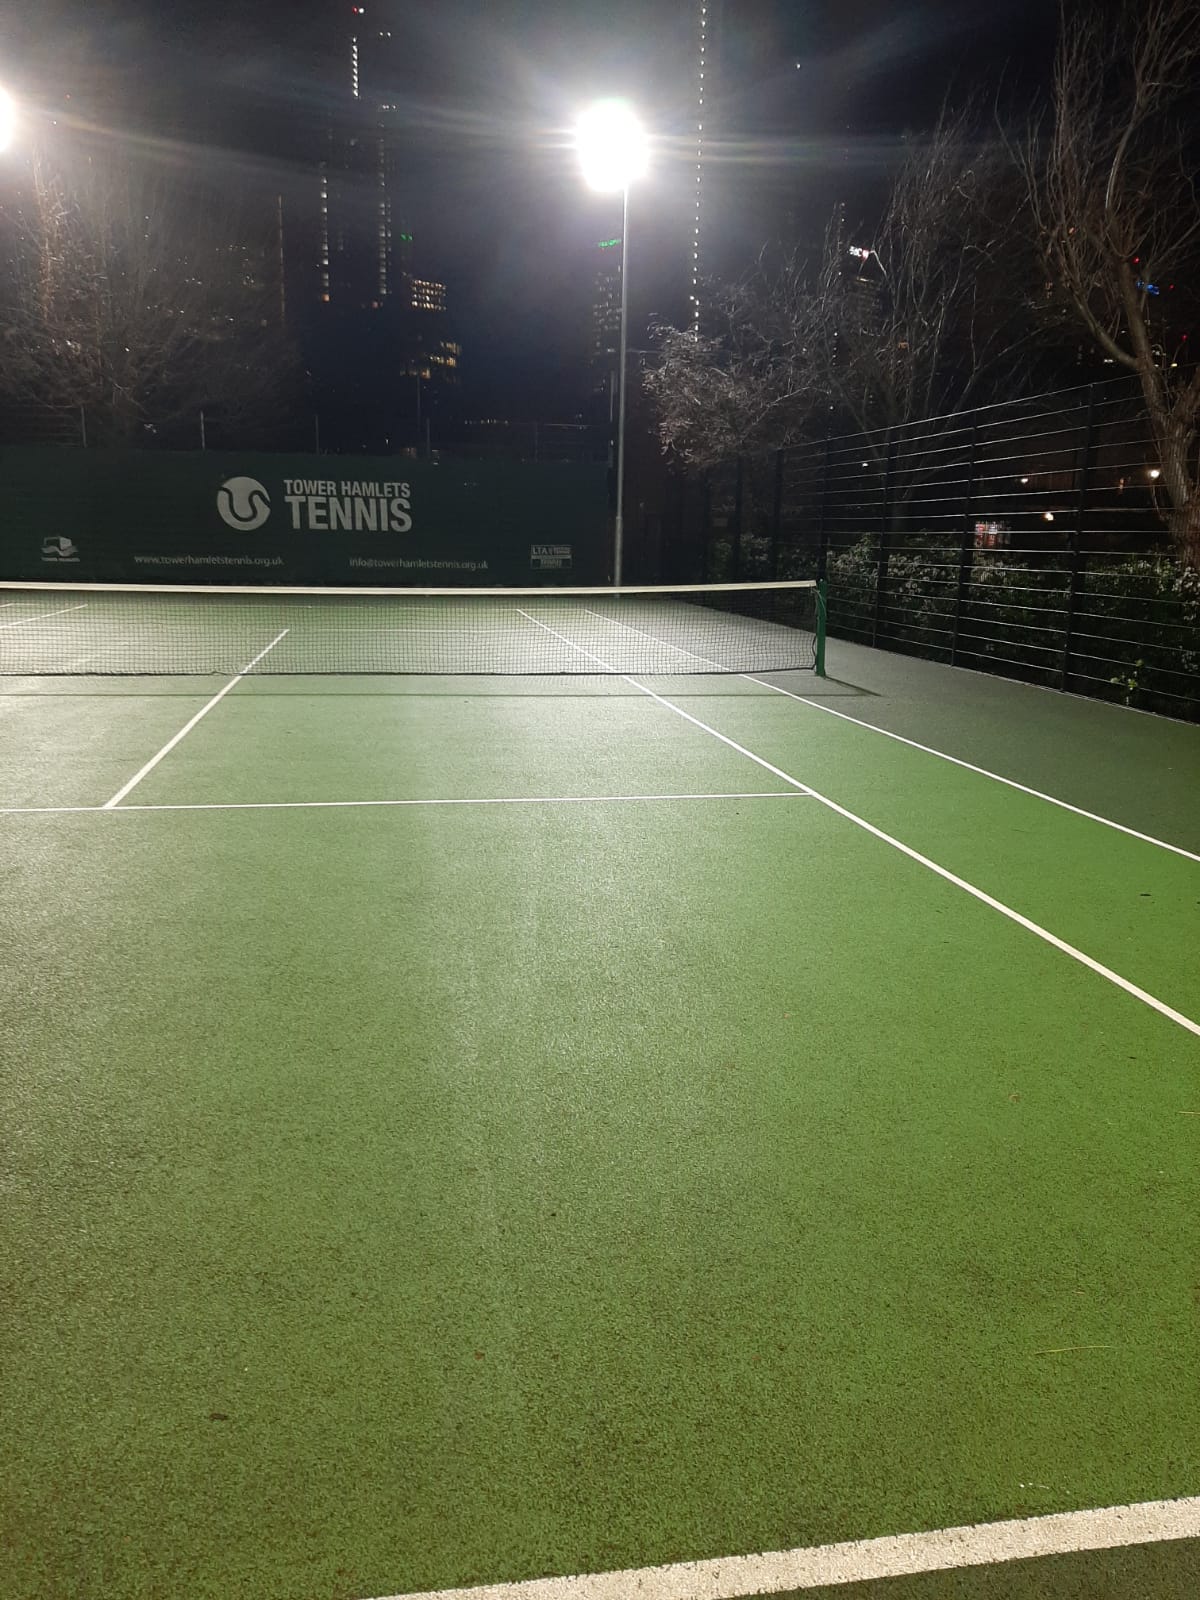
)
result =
(8, 119)
(613, 152)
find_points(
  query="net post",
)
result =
(822, 618)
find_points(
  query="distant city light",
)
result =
(612, 145)
(1155, 472)
(1047, 516)
(608, 244)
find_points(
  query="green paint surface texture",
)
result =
(399, 1198)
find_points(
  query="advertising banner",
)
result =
(229, 518)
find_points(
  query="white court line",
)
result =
(111, 805)
(914, 855)
(42, 615)
(344, 805)
(654, 639)
(1038, 794)
(942, 755)
(980, 1544)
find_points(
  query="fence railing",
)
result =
(1026, 539)
(321, 434)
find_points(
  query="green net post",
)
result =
(822, 613)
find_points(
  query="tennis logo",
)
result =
(243, 503)
(59, 549)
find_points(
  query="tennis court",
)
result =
(490, 1098)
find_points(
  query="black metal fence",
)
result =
(435, 436)
(1024, 539)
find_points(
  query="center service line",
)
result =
(981, 895)
(110, 805)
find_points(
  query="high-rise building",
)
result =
(364, 237)
(431, 351)
(705, 102)
(378, 315)
(605, 342)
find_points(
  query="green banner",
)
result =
(229, 518)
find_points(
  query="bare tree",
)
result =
(139, 296)
(938, 317)
(923, 315)
(1111, 181)
(748, 387)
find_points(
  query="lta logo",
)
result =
(243, 503)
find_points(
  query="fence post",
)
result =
(680, 521)
(203, 439)
(885, 535)
(776, 514)
(83, 426)
(1076, 560)
(966, 548)
(823, 512)
(705, 528)
(317, 431)
(735, 553)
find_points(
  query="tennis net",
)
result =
(85, 629)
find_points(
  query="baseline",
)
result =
(980, 1544)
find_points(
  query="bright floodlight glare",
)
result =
(8, 119)
(611, 144)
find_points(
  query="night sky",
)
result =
(822, 92)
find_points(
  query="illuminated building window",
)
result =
(428, 295)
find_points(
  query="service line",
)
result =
(453, 800)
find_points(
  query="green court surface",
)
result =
(622, 1157)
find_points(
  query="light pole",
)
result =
(613, 152)
(8, 119)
